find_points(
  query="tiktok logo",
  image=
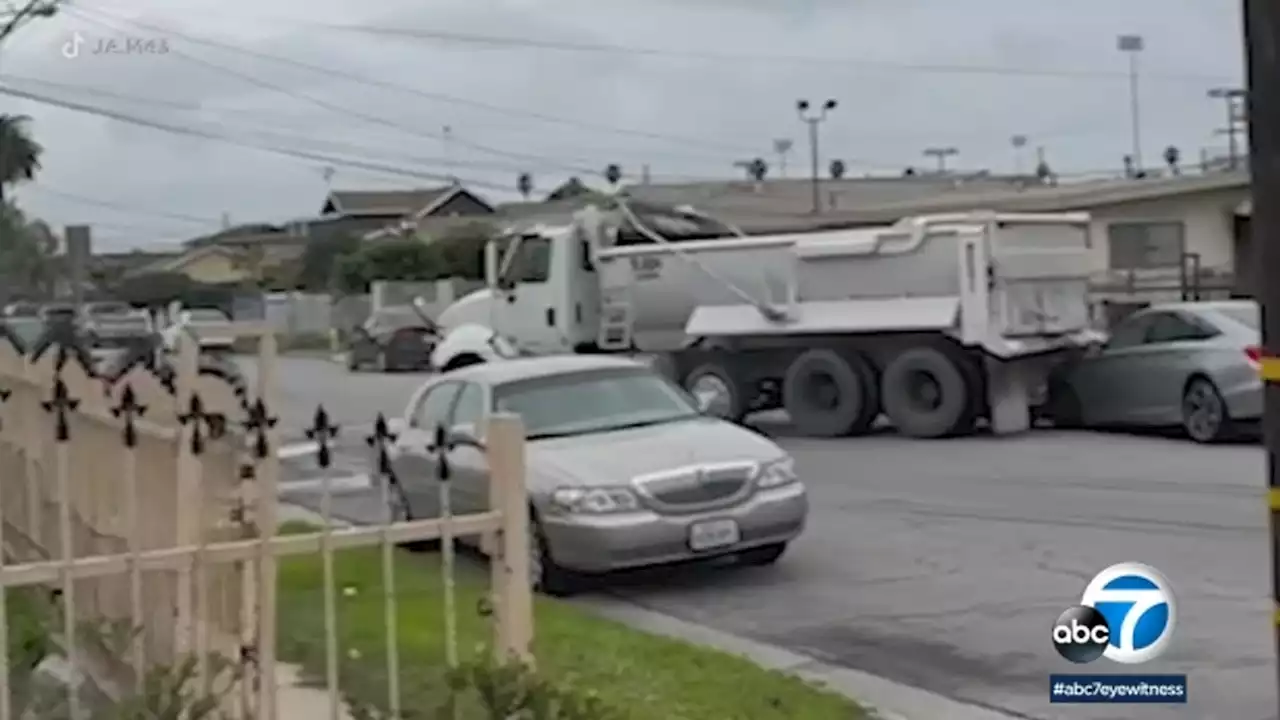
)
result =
(71, 48)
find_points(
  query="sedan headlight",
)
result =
(595, 500)
(776, 473)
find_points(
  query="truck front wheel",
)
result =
(830, 395)
(718, 391)
(927, 394)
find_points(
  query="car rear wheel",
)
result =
(1204, 412)
(764, 555)
(545, 575)
(718, 390)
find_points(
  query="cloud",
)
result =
(884, 62)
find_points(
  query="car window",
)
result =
(1171, 327)
(433, 407)
(470, 406)
(1129, 333)
(594, 401)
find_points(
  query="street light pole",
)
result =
(1262, 33)
(814, 117)
(941, 154)
(1132, 45)
(1233, 98)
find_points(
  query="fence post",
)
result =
(267, 526)
(513, 604)
(186, 512)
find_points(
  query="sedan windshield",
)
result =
(592, 402)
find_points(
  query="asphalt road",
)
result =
(943, 564)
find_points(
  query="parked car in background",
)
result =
(1188, 365)
(210, 326)
(398, 338)
(624, 468)
(22, 309)
(114, 324)
(26, 329)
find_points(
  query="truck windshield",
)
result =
(594, 401)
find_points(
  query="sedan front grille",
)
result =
(698, 486)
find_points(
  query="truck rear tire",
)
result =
(830, 395)
(729, 403)
(928, 394)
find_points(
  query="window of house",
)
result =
(1140, 245)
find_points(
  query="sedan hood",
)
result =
(613, 458)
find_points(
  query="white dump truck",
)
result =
(937, 322)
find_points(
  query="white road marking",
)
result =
(339, 484)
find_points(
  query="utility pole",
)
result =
(1262, 33)
(940, 154)
(1133, 45)
(782, 148)
(1234, 99)
(446, 141)
(813, 119)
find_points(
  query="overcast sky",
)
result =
(695, 85)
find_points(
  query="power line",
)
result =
(339, 109)
(701, 143)
(112, 205)
(887, 65)
(373, 167)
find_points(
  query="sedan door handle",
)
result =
(551, 317)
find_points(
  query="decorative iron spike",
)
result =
(129, 410)
(322, 432)
(4, 397)
(60, 403)
(198, 419)
(381, 437)
(440, 447)
(258, 421)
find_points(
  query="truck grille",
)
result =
(698, 486)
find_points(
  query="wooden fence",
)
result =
(152, 505)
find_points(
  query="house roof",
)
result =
(420, 202)
(175, 264)
(786, 205)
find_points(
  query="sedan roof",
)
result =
(505, 371)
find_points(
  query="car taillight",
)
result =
(1254, 353)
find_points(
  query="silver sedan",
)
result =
(1188, 365)
(623, 468)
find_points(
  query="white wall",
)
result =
(1207, 218)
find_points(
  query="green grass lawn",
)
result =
(646, 677)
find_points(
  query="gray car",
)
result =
(1188, 365)
(623, 468)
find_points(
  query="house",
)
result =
(1146, 232)
(381, 214)
(234, 256)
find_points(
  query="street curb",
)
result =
(889, 700)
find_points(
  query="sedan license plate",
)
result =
(713, 534)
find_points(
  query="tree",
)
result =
(19, 153)
(14, 18)
(837, 169)
(320, 259)
(613, 174)
(524, 184)
(399, 259)
(758, 169)
(27, 249)
(1172, 156)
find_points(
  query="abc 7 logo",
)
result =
(1081, 634)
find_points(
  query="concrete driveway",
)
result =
(943, 564)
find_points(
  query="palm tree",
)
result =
(837, 169)
(758, 169)
(1172, 156)
(613, 173)
(524, 184)
(19, 153)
